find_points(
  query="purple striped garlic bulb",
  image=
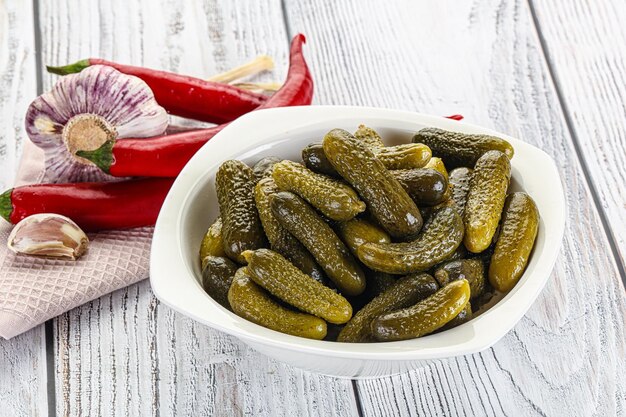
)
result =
(83, 111)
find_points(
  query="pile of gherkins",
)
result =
(363, 242)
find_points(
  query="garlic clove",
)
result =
(50, 235)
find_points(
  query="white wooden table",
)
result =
(552, 72)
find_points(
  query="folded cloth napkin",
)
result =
(33, 290)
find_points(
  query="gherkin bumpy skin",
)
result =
(460, 180)
(280, 239)
(485, 200)
(441, 236)
(438, 165)
(278, 276)
(388, 202)
(520, 224)
(303, 222)
(369, 137)
(332, 198)
(404, 292)
(461, 149)
(264, 167)
(406, 156)
(241, 228)
(424, 317)
(212, 243)
(217, 275)
(253, 303)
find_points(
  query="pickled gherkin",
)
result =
(424, 317)
(426, 186)
(241, 226)
(460, 181)
(217, 275)
(332, 198)
(472, 270)
(356, 232)
(441, 236)
(278, 276)
(303, 222)
(212, 243)
(405, 292)
(519, 228)
(463, 317)
(485, 200)
(388, 202)
(438, 165)
(407, 156)
(461, 149)
(369, 137)
(264, 167)
(253, 303)
(315, 159)
(280, 239)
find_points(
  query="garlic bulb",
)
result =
(50, 235)
(85, 110)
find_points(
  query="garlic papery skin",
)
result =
(49, 235)
(85, 110)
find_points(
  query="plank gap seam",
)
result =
(577, 148)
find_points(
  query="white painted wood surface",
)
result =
(125, 354)
(22, 359)
(483, 59)
(586, 44)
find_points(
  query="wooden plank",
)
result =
(483, 59)
(125, 354)
(586, 46)
(23, 358)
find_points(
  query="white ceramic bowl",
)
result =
(191, 206)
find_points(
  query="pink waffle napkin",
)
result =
(33, 290)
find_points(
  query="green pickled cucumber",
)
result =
(424, 317)
(405, 292)
(520, 223)
(485, 200)
(278, 276)
(441, 236)
(332, 198)
(315, 159)
(280, 239)
(438, 165)
(472, 270)
(217, 275)
(303, 222)
(388, 202)
(241, 226)
(426, 186)
(461, 149)
(406, 156)
(212, 243)
(463, 317)
(264, 167)
(460, 181)
(253, 303)
(356, 232)
(377, 282)
(369, 137)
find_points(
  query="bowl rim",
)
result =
(186, 296)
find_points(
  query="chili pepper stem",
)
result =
(259, 64)
(101, 157)
(6, 206)
(263, 87)
(77, 66)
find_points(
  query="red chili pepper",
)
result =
(93, 206)
(165, 156)
(455, 117)
(182, 95)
